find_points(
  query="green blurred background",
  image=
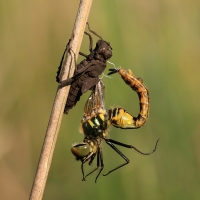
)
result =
(159, 41)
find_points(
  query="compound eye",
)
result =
(108, 54)
(80, 150)
(102, 50)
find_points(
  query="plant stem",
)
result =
(59, 104)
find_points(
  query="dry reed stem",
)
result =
(59, 104)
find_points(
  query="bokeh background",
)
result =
(159, 41)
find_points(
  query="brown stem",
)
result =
(59, 104)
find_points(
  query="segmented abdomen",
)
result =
(137, 85)
(120, 118)
(73, 97)
(75, 93)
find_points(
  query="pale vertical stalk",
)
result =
(59, 104)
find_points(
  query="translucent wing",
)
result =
(96, 100)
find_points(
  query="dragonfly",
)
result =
(95, 125)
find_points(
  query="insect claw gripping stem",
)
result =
(67, 49)
(69, 80)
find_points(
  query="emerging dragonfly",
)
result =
(94, 125)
